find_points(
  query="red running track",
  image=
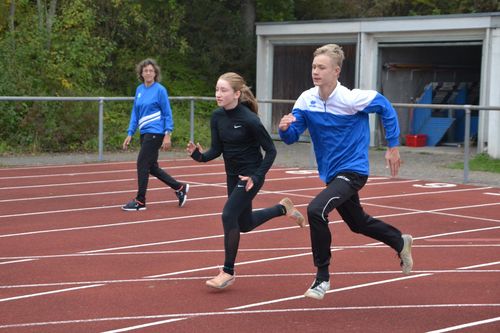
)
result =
(72, 261)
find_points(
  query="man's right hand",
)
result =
(286, 121)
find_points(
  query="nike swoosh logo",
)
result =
(237, 126)
(241, 185)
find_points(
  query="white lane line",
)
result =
(291, 298)
(132, 328)
(162, 188)
(15, 261)
(238, 264)
(120, 180)
(73, 174)
(261, 193)
(440, 211)
(48, 292)
(459, 327)
(285, 299)
(491, 193)
(413, 211)
(428, 192)
(85, 165)
(481, 265)
(104, 181)
(250, 312)
(242, 250)
(247, 276)
(102, 207)
(263, 231)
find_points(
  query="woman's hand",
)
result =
(249, 181)
(126, 142)
(167, 143)
(191, 147)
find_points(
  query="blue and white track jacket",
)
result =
(151, 112)
(339, 128)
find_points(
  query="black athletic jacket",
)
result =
(238, 134)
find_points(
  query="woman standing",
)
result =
(238, 134)
(152, 114)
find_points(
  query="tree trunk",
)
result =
(248, 15)
(12, 13)
(41, 12)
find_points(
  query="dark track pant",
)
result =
(237, 216)
(147, 163)
(342, 193)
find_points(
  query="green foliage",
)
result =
(91, 48)
(480, 162)
(275, 11)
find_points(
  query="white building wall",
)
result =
(369, 33)
(494, 95)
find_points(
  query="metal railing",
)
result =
(192, 99)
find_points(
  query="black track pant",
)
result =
(237, 216)
(342, 193)
(147, 163)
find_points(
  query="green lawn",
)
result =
(481, 162)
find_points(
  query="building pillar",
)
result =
(494, 95)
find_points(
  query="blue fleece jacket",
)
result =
(151, 112)
(339, 128)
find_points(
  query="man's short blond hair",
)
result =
(333, 51)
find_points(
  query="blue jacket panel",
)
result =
(151, 112)
(339, 128)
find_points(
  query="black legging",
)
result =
(237, 216)
(342, 193)
(147, 163)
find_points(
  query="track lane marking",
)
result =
(413, 211)
(196, 184)
(222, 172)
(90, 173)
(249, 312)
(245, 276)
(290, 298)
(219, 250)
(48, 292)
(84, 165)
(221, 184)
(462, 326)
(136, 327)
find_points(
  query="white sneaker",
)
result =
(405, 254)
(221, 281)
(318, 289)
(293, 213)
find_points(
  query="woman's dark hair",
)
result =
(147, 62)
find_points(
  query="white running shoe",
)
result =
(405, 254)
(318, 289)
(221, 281)
(293, 213)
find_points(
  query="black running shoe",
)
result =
(182, 194)
(134, 205)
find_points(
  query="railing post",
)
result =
(101, 127)
(466, 143)
(191, 121)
